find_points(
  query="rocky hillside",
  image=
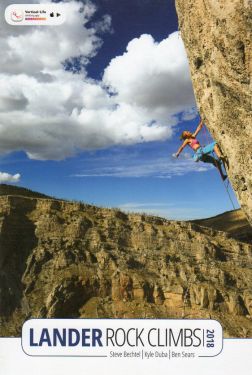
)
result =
(218, 39)
(14, 190)
(62, 259)
(234, 223)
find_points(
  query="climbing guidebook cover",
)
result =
(125, 187)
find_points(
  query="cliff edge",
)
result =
(218, 39)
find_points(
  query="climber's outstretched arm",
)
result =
(200, 126)
(181, 148)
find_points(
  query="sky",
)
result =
(92, 110)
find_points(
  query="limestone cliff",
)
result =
(63, 259)
(218, 38)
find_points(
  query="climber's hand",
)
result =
(175, 155)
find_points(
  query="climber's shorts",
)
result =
(203, 151)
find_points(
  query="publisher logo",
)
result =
(17, 15)
(35, 14)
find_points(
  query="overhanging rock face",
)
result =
(218, 35)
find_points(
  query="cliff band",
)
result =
(63, 259)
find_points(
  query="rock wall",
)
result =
(218, 38)
(62, 259)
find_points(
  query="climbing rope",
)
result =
(208, 140)
(227, 187)
(229, 195)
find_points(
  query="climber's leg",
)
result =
(214, 147)
(210, 159)
(220, 155)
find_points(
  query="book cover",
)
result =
(125, 186)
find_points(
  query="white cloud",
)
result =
(158, 168)
(166, 210)
(6, 177)
(153, 75)
(141, 205)
(105, 25)
(189, 114)
(34, 50)
(51, 113)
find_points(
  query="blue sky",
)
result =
(104, 131)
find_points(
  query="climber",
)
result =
(202, 153)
